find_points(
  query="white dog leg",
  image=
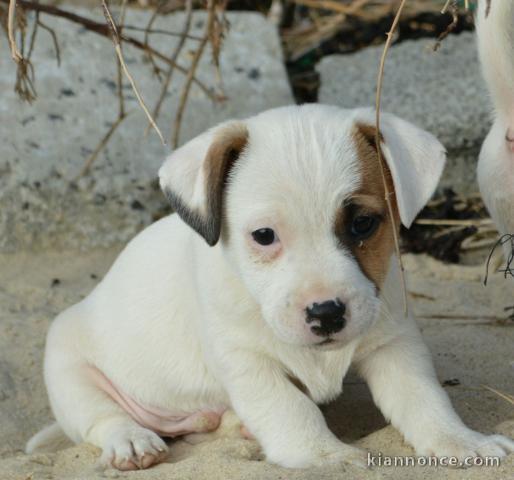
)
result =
(86, 413)
(287, 423)
(405, 387)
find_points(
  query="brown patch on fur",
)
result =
(223, 152)
(374, 253)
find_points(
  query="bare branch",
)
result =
(211, 8)
(451, 5)
(24, 85)
(174, 56)
(101, 145)
(333, 5)
(159, 31)
(117, 46)
(15, 52)
(121, 109)
(388, 194)
(104, 30)
(157, 70)
(54, 39)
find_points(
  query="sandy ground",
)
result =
(457, 314)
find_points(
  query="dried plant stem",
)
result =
(174, 56)
(446, 5)
(507, 238)
(476, 222)
(104, 30)
(24, 85)
(506, 396)
(157, 70)
(159, 31)
(101, 145)
(211, 6)
(15, 52)
(121, 109)
(54, 39)
(388, 194)
(333, 5)
(117, 46)
(454, 11)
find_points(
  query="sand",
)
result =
(458, 316)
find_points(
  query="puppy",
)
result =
(277, 273)
(495, 34)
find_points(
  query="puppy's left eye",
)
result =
(264, 236)
(363, 226)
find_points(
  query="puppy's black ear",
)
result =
(193, 176)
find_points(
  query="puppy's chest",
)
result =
(321, 378)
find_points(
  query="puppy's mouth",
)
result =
(329, 344)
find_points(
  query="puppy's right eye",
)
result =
(264, 236)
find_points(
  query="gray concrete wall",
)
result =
(44, 145)
(441, 91)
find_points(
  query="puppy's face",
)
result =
(302, 213)
(307, 226)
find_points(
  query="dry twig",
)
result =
(104, 30)
(117, 46)
(15, 52)
(474, 222)
(451, 5)
(157, 70)
(389, 194)
(174, 56)
(211, 18)
(334, 6)
(24, 85)
(122, 114)
(101, 145)
(508, 239)
(505, 396)
(159, 31)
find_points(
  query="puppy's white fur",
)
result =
(183, 327)
(495, 35)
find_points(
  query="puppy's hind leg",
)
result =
(86, 413)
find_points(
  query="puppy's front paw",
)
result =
(133, 448)
(467, 445)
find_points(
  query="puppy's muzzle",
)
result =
(327, 317)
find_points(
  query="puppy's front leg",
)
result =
(287, 423)
(405, 387)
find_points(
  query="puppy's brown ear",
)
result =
(414, 157)
(194, 175)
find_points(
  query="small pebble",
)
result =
(452, 382)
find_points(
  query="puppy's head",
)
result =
(297, 197)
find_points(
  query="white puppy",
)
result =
(495, 33)
(294, 279)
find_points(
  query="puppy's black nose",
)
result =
(328, 317)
